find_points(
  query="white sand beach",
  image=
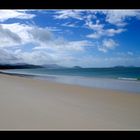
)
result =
(32, 104)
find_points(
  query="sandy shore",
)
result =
(31, 104)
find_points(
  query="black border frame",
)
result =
(70, 4)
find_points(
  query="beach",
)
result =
(34, 104)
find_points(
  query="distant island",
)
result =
(49, 66)
(18, 66)
(52, 66)
(124, 66)
(77, 67)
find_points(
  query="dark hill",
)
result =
(18, 66)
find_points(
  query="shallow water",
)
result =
(123, 84)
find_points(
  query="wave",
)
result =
(129, 79)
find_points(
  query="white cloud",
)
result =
(8, 38)
(97, 26)
(107, 44)
(118, 17)
(112, 32)
(115, 17)
(7, 57)
(47, 48)
(105, 32)
(43, 57)
(40, 34)
(68, 24)
(22, 30)
(77, 45)
(53, 29)
(64, 14)
(10, 14)
(36, 57)
(76, 14)
(29, 33)
(99, 30)
(95, 35)
(55, 51)
(61, 45)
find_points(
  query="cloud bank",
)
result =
(41, 44)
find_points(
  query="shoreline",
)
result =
(33, 104)
(128, 86)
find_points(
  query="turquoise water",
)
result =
(123, 79)
(115, 73)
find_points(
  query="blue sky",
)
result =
(88, 38)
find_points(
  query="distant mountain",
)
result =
(25, 66)
(119, 66)
(18, 66)
(53, 66)
(77, 67)
(131, 66)
(123, 66)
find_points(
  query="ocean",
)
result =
(117, 78)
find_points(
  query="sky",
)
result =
(87, 38)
